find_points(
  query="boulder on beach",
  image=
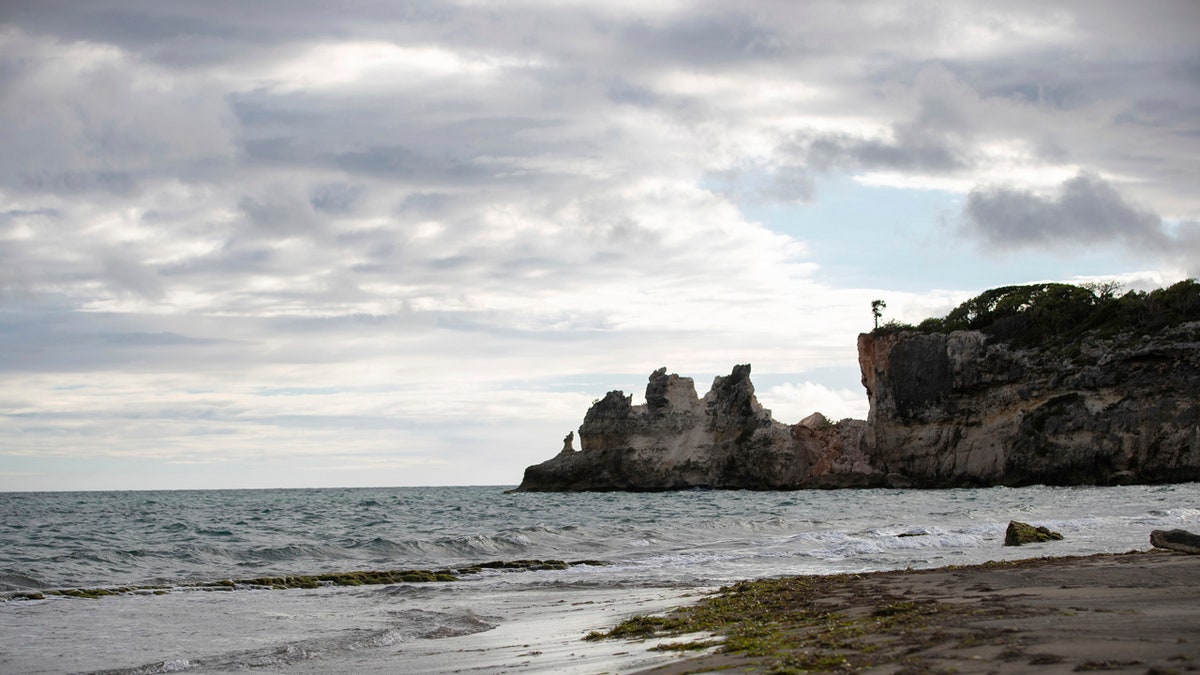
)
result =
(1176, 540)
(1019, 533)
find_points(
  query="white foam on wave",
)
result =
(1177, 516)
(169, 666)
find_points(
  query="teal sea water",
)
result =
(677, 540)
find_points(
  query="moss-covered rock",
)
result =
(358, 578)
(1019, 533)
(90, 593)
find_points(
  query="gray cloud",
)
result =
(1087, 211)
(715, 38)
(84, 118)
(280, 212)
(43, 339)
(334, 198)
(909, 150)
(127, 273)
(190, 35)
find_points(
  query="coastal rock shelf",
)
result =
(949, 409)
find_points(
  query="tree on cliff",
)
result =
(877, 307)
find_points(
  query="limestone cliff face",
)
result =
(954, 409)
(677, 440)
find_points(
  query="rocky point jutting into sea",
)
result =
(1050, 384)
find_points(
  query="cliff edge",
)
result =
(961, 409)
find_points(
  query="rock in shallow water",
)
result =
(1176, 540)
(1019, 533)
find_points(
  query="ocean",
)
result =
(162, 552)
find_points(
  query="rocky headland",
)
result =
(677, 440)
(1012, 398)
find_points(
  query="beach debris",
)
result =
(1176, 540)
(1019, 533)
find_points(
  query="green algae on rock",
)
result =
(788, 625)
(916, 621)
(1019, 533)
(359, 578)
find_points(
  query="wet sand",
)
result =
(1129, 613)
(534, 631)
(542, 633)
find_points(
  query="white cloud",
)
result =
(339, 65)
(792, 402)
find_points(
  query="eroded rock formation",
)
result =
(946, 410)
(677, 440)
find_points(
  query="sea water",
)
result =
(656, 548)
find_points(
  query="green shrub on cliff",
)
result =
(1056, 314)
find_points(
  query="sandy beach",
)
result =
(1130, 613)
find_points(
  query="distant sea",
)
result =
(658, 549)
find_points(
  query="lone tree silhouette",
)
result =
(877, 307)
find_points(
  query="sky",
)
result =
(385, 243)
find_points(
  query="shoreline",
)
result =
(1136, 612)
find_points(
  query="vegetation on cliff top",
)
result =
(1048, 314)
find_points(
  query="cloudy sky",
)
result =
(292, 243)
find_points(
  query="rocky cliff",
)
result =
(677, 440)
(960, 409)
(946, 409)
